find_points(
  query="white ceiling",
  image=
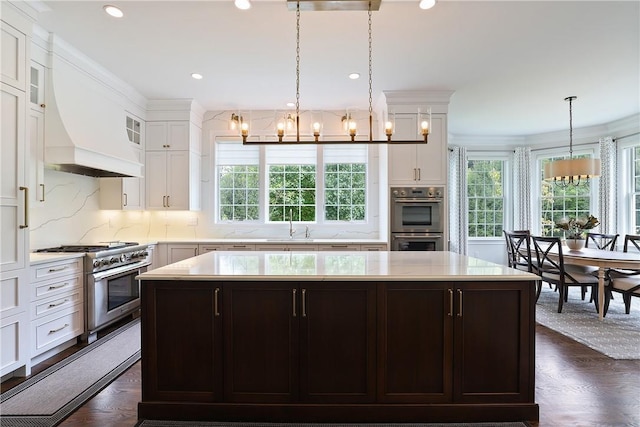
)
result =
(510, 63)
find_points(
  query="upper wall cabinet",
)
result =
(419, 164)
(173, 135)
(13, 62)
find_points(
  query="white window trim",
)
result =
(507, 215)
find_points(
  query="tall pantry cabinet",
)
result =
(172, 155)
(14, 192)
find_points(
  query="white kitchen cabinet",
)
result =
(294, 247)
(418, 164)
(181, 251)
(36, 156)
(172, 180)
(338, 247)
(374, 247)
(14, 194)
(56, 306)
(123, 193)
(239, 247)
(14, 56)
(172, 136)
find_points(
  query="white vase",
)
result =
(575, 244)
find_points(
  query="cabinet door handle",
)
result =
(164, 201)
(419, 174)
(126, 199)
(42, 185)
(53, 331)
(215, 302)
(294, 302)
(450, 303)
(168, 205)
(304, 303)
(460, 303)
(26, 207)
(51, 288)
(55, 304)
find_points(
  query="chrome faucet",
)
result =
(292, 231)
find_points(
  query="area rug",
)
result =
(53, 394)
(154, 423)
(617, 336)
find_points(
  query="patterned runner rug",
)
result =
(47, 398)
(618, 336)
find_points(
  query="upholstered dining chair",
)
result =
(626, 282)
(553, 270)
(605, 242)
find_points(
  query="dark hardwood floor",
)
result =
(575, 386)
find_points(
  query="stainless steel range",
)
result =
(111, 290)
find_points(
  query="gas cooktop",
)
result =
(88, 248)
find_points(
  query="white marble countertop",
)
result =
(274, 240)
(42, 257)
(334, 265)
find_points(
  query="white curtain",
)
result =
(607, 202)
(522, 188)
(458, 212)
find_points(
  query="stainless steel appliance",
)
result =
(417, 218)
(111, 289)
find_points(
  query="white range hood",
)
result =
(85, 130)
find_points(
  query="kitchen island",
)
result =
(338, 337)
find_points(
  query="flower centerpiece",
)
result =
(574, 229)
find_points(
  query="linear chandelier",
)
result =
(292, 120)
(571, 171)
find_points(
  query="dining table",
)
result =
(603, 259)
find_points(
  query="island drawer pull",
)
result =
(294, 302)
(460, 303)
(304, 305)
(450, 302)
(52, 287)
(216, 312)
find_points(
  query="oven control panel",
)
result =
(118, 260)
(417, 192)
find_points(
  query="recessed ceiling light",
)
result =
(196, 76)
(113, 11)
(354, 76)
(243, 4)
(427, 4)
(291, 104)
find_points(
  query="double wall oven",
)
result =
(417, 218)
(111, 289)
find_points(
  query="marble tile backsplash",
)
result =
(71, 214)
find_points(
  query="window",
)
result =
(561, 202)
(485, 196)
(345, 184)
(238, 182)
(307, 183)
(133, 130)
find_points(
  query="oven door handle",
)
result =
(422, 237)
(421, 201)
(119, 270)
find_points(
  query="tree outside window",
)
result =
(292, 193)
(485, 196)
(561, 202)
(239, 191)
(345, 191)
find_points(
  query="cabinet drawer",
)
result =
(56, 328)
(56, 269)
(46, 306)
(55, 287)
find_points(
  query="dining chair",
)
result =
(553, 270)
(626, 282)
(519, 253)
(601, 241)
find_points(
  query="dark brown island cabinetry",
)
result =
(338, 351)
